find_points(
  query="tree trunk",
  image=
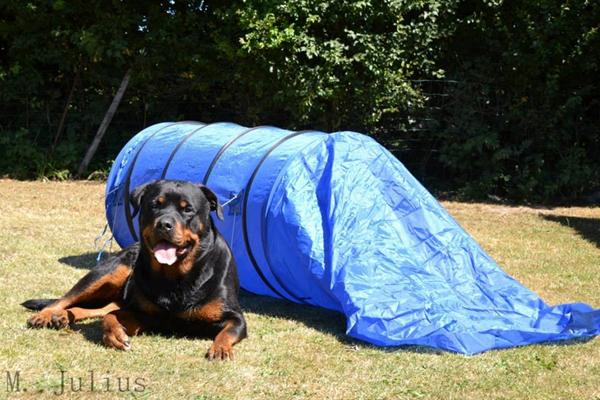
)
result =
(104, 125)
(63, 118)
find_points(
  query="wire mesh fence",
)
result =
(412, 135)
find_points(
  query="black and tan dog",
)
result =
(180, 278)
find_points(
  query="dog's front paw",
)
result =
(220, 351)
(115, 337)
(49, 318)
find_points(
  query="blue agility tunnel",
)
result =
(334, 220)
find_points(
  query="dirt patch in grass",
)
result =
(47, 231)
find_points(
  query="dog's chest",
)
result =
(163, 296)
(176, 301)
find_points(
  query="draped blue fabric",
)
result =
(335, 221)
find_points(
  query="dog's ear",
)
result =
(213, 200)
(135, 197)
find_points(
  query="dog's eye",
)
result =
(188, 209)
(159, 202)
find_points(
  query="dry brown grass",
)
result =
(293, 352)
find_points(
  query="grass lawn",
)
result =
(47, 232)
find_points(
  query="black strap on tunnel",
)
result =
(224, 148)
(176, 149)
(245, 216)
(246, 191)
(126, 205)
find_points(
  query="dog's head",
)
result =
(174, 216)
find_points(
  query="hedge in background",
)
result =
(517, 115)
(525, 118)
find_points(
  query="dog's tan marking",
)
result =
(105, 288)
(209, 312)
(78, 314)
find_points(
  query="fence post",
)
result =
(104, 125)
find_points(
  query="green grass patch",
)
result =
(47, 231)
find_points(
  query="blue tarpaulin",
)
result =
(336, 221)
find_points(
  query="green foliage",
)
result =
(335, 64)
(526, 125)
(23, 159)
(19, 156)
(517, 115)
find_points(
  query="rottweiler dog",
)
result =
(179, 279)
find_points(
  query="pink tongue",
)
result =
(165, 253)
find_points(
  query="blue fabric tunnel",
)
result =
(334, 220)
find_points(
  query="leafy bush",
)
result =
(332, 64)
(517, 118)
(18, 156)
(526, 124)
(21, 158)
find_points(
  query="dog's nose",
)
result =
(165, 225)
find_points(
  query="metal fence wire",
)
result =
(412, 136)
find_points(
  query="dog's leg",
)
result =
(78, 314)
(234, 330)
(102, 285)
(118, 326)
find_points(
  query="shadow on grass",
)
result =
(569, 342)
(587, 228)
(83, 261)
(327, 321)
(324, 320)
(91, 330)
